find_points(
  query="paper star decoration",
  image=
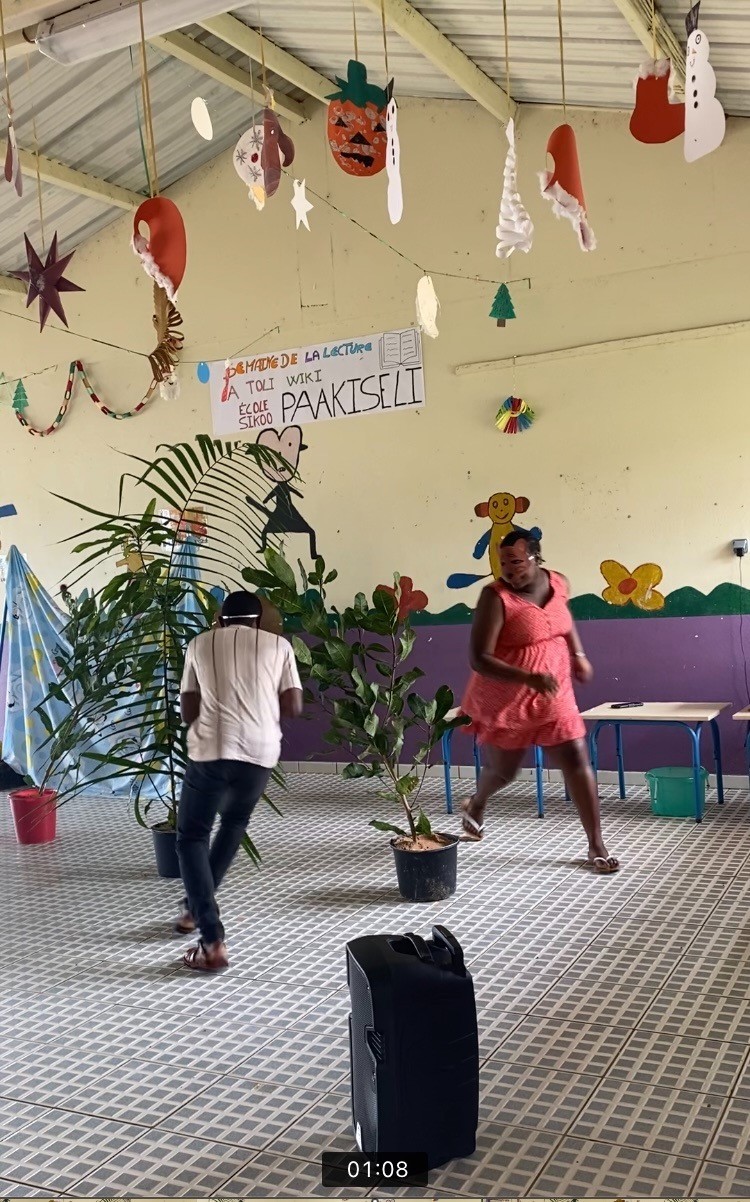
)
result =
(301, 204)
(46, 281)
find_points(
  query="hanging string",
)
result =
(562, 57)
(354, 24)
(507, 48)
(654, 47)
(5, 59)
(40, 201)
(147, 111)
(262, 54)
(384, 24)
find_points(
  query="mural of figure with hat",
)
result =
(284, 518)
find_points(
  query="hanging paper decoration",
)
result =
(393, 162)
(502, 306)
(514, 416)
(705, 122)
(201, 118)
(301, 205)
(357, 123)
(427, 307)
(515, 230)
(134, 561)
(163, 252)
(260, 154)
(12, 159)
(203, 372)
(164, 257)
(46, 281)
(656, 117)
(20, 399)
(562, 186)
(20, 402)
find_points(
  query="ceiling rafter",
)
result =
(409, 24)
(637, 13)
(241, 37)
(60, 176)
(200, 58)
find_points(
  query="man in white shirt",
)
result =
(238, 682)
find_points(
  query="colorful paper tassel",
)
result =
(514, 416)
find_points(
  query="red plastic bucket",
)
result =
(34, 815)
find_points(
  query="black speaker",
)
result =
(413, 1046)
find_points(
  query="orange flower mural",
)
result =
(633, 588)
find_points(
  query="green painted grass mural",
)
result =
(723, 601)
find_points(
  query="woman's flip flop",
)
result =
(473, 830)
(604, 865)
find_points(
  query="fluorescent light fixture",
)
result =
(97, 28)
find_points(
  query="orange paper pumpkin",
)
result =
(164, 252)
(357, 132)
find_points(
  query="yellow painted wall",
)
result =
(636, 455)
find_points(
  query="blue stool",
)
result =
(538, 768)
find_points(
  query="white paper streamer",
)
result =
(427, 307)
(516, 229)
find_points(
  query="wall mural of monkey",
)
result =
(501, 508)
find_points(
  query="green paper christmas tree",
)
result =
(502, 306)
(20, 399)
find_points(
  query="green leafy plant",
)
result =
(121, 657)
(354, 662)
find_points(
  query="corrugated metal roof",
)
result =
(87, 117)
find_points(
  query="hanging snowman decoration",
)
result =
(705, 122)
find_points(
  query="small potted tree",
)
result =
(122, 652)
(355, 660)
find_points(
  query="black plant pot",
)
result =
(427, 876)
(165, 850)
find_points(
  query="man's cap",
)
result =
(242, 605)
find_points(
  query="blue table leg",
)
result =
(539, 768)
(716, 736)
(477, 758)
(620, 759)
(447, 740)
(594, 751)
(695, 736)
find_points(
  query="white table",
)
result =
(691, 716)
(744, 716)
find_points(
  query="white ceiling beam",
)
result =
(12, 287)
(195, 55)
(20, 13)
(241, 37)
(60, 176)
(637, 13)
(444, 54)
(17, 44)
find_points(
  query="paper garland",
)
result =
(77, 369)
(705, 120)
(514, 416)
(515, 229)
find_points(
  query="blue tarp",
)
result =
(33, 632)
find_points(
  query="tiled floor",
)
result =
(613, 1018)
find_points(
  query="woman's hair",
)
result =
(532, 542)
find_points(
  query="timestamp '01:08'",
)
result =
(384, 1169)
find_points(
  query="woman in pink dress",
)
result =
(525, 651)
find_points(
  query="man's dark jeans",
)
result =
(231, 789)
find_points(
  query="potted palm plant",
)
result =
(121, 657)
(355, 660)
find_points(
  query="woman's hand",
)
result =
(582, 669)
(542, 682)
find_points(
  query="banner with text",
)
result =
(380, 373)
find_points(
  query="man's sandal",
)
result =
(473, 830)
(201, 960)
(185, 924)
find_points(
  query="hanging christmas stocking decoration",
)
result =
(705, 122)
(656, 117)
(562, 186)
